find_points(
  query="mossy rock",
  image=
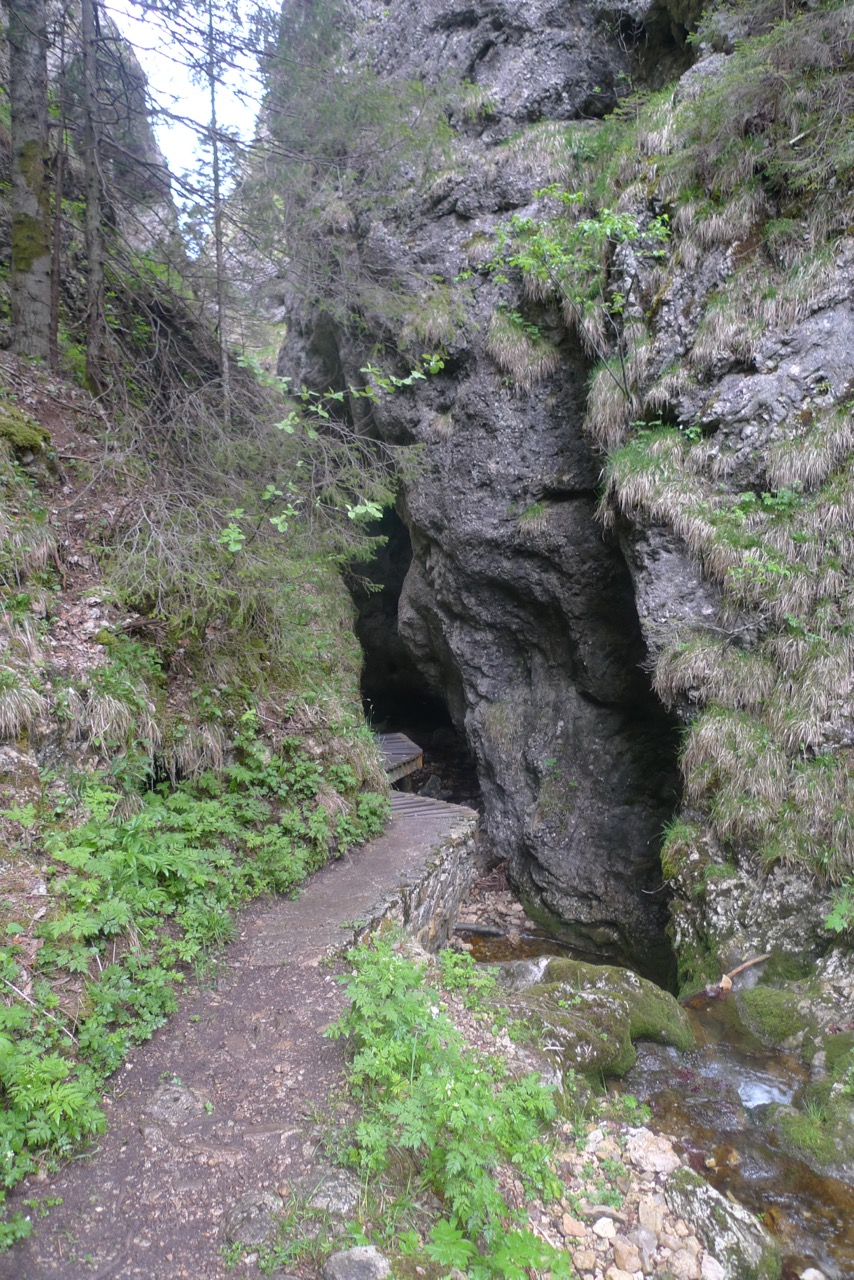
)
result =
(697, 961)
(822, 1134)
(21, 431)
(774, 1016)
(730, 1232)
(786, 966)
(592, 1014)
(839, 1054)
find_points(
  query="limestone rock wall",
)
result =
(515, 609)
(557, 632)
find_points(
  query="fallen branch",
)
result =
(748, 964)
(33, 1003)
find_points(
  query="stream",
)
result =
(712, 1102)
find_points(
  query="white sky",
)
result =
(171, 86)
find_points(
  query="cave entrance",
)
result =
(396, 696)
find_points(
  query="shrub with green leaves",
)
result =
(459, 1114)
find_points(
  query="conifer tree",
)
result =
(95, 319)
(31, 238)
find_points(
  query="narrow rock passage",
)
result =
(221, 1104)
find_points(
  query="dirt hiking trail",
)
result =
(218, 1112)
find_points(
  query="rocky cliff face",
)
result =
(137, 188)
(655, 356)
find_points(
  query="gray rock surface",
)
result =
(253, 1219)
(363, 1263)
(175, 1103)
(534, 625)
(733, 1236)
(535, 59)
(520, 616)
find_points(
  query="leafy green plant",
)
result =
(187, 858)
(475, 983)
(841, 916)
(566, 256)
(458, 1114)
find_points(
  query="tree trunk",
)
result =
(58, 193)
(31, 240)
(95, 320)
(218, 226)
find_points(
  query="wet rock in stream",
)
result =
(735, 1238)
(591, 1015)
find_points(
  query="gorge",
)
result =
(514, 373)
(588, 645)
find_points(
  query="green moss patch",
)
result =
(21, 431)
(817, 1132)
(839, 1054)
(808, 1136)
(785, 966)
(593, 1014)
(772, 1015)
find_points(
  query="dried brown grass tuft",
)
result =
(443, 425)
(610, 407)
(708, 669)
(806, 460)
(112, 720)
(525, 358)
(200, 748)
(732, 763)
(21, 706)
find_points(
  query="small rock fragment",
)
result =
(651, 1215)
(573, 1228)
(626, 1255)
(584, 1259)
(651, 1153)
(363, 1263)
(684, 1265)
(253, 1218)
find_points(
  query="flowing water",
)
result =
(714, 1103)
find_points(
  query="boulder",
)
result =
(591, 1014)
(363, 1263)
(732, 1235)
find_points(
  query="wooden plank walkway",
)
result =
(401, 755)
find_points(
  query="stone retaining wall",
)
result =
(427, 900)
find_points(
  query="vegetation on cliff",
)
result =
(746, 165)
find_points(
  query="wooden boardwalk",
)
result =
(401, 755)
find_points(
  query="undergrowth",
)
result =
(133, 904)
(463, 1127)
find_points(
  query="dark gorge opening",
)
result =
(633, 776)
(396, 696)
